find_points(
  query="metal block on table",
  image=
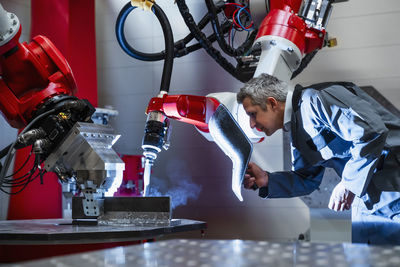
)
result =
(138, 211)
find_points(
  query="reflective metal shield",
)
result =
(228, 135)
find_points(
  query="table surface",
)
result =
(61, 231)
(206, 253)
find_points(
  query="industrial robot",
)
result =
(37, 89)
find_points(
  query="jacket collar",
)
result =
(287, 115)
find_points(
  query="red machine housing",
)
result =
(30, 75)
(283, 22)
(191, 109)
(132, 182)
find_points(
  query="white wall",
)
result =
(367, 54)
(20, 8)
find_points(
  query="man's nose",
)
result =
(252, 123)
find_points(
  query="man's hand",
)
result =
(341, 198)
(255, 176)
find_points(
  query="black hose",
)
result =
(119, 30)
(180, 48)
(4, 151)
(229, 50)
(169, 47)
(10, 151)
(168, 55)
(304, 63)
(204, 42)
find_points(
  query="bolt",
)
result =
(10, 30)
(12, 15)
(1, 38)
(272, 42)
(14, 22)
(290, 49)
(297, 62)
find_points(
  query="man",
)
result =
(334, 125)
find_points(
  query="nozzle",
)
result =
(155, 133)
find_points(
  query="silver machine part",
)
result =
(279, 57)
(86, 155)
(9, 26)
(150, 150)
(228, 135)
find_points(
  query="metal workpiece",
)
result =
(120, 218)
(209, 253)
(87, 153)
(124, 211)
(63, 231)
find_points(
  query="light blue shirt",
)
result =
(344, 130)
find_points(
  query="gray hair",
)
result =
(262, 87)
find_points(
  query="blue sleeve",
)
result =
(352, 119)
(292, 183)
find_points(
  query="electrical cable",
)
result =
(29, 180)
(180, 48)
(167, 56)
(204, 42)
(169, 47)
(220, 37)
(4, 151)
(248, 28)
(304, 63)
(10, 152)
(22, 166)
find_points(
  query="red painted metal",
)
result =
(19, 253)
(284, 23)
(70, 25)
(32, 74)
(279, 4)
(314, 39)
(196, 110)
(132, 182)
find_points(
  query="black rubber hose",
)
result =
(179, 46)
(168, 56)
(304, 63)
(202, 23)
(119, 30)
(4, 151)
(204, 42)
(169, 47)
(10, 151)
(229, 50)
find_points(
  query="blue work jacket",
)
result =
(338, 125)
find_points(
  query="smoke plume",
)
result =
(177, 184)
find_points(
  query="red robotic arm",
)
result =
(31, 74)
(36, 91)
(191, 109)
(287, 34)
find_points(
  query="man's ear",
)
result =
(272, 102)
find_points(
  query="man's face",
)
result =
(268, 120)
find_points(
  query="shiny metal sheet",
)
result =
(62, 231)
(210, 253)
(228, 135)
